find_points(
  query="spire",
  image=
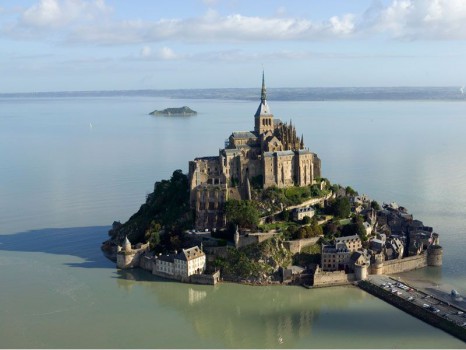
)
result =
(263, 91)
(302, 141)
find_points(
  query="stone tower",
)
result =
(263, 119)
(434, 255)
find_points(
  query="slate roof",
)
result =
(190, 253)
(263, 109)
(243, 135)
(346, 238)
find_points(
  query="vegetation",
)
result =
(274, 199)
(185, 110)
(308, 255)
(375, 205)
(254, 262)
(167, 206)
(347, 227)
(350, 191)
(306, 231)
(340, 208)
(242, 213)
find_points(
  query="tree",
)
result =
(351, 192)
(341, 208)
(331, 229)
(306, 220)
(285, 215)
(242, 213)
(375, 205)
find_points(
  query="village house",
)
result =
(181, 265)
(301, 213)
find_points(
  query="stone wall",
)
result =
(336, 278)
(406, 264)
(212, 279)
(252, 238)
(147, 263)
(296, 245)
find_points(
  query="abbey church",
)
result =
(271, 155)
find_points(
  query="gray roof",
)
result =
(243, 135)
(333, 249)
(376, 241)
(304, 151)
(279, 154)
(207, 158)
(284, 153)
(263, 109)
(305, 209)
(167, 258)
(190, 253)
(346, 238)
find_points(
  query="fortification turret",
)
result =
(361, 271)
(377, 264)
(127, 245)
(434, 255)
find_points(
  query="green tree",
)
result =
(306, 220)
(375, 205)
(242, 213)
(285, 215)
(350, 191)
(341, 208)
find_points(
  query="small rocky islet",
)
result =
(174, 111)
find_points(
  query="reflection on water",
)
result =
(62, 183)
(283, 316)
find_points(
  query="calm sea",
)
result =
(69, 167)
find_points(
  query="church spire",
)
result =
(264, 90)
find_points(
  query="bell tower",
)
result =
(263, 119)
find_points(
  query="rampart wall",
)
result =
(336, 278)
(296, 245)
(405, 264)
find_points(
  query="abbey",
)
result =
(271, 155)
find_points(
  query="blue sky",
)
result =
(74, 45)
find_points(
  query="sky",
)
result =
(85, 45)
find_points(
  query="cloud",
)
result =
(423, 19)
(55, 13)
(91, 21)
(161, 54)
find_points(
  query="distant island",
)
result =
(185, 110)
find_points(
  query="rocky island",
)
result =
(260, 212)
(175, 111)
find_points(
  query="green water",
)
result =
(63, 183)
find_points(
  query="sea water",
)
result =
(70, 166)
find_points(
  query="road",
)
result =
(442, 308)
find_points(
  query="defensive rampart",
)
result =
(336, 278)
(296, 245)
(406, 264)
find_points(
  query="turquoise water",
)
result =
(70, 167)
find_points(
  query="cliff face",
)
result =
(185, 110)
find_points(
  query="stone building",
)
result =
(301, 213)
(270, 155)
(182, 265)
(337, 257)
